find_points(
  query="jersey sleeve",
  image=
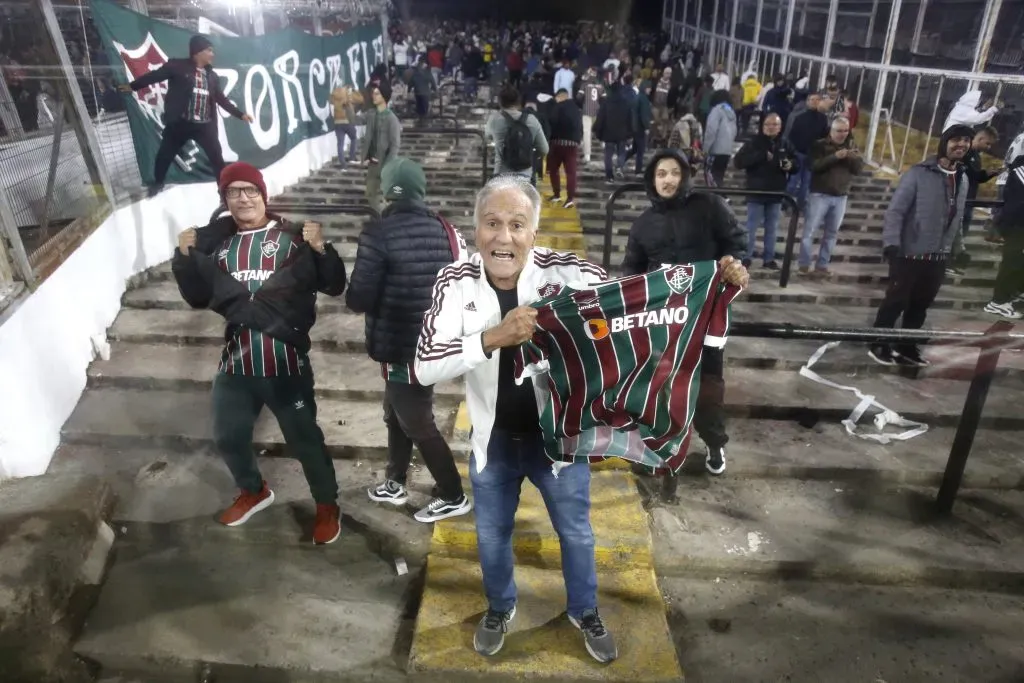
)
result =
(444, 352)
(718, 328)
(532, 358)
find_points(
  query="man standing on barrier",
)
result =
(922, 220)
(380, 143)
(398, 260)
(684, 226)
(262, 275)
(190, 108)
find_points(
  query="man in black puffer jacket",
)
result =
(262, 275)
(397, 263)
(685, 226)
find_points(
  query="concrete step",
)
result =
(182, 420)
(746, 629)
(541, 643)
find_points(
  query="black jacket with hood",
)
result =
(688, 227)
(392, 282)
(284, 307)
(179, 74)
(1011, 218)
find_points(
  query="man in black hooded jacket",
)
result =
(392, 282)
(685, 226)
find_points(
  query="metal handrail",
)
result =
(787, 259)
(457, 131)
(286, 207)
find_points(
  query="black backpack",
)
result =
(517, 149)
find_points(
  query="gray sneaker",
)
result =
(490, 633)
(596, 637)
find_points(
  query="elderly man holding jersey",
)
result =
(479, 317)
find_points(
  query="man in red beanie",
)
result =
(262, 275)
(190, 107)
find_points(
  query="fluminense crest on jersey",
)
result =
(680, 278)
(269, 248)
(549, 289)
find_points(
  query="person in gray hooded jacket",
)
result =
(920, 225)
(719, 138)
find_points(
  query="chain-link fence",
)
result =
(48, 173)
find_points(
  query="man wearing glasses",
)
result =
(262, 275)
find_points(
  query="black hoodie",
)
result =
(690, 226)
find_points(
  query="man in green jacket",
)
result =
(380, 143)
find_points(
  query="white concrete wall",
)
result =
(47, 344)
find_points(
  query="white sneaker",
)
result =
(439, 509)
(1004, 310)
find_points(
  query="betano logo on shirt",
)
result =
(680, 279)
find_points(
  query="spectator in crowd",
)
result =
(687, 136)
(380, 143)
(515, 64)
(422, 86)
(719, 138)
(400, 49)
(966, 111)
(1010, 278)
(720, 78)
(835, 161)
(809, 126)
(751, 95)
(564, 77)
(566, 135)
(1015, 149)
(767, 159)
(397, 262)
(922, 220)
(344, 100)
(976, 175)
(642, 119)
(472, 68)
(852, 111)
(190, 108)
(778, 98)
(265, 361)
(501, 280)
(614, 127)
(435, 59)
(517, 134)
(592, 91)
(684, 226)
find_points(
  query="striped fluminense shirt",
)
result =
(251, 257)
(199, 102)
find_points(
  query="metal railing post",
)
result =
(12, 238)
(877, 104)
(787, 256)
(988, 29)
(51, 176)
(970, 418)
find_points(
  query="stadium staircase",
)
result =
(394, 598)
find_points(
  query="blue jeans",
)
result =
(618, 151)
(800, 181)
(343, 130)
(766, 214)
(470, 85)
(827, 210)
(510, 459)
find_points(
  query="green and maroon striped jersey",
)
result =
(623, 363)
(251, 257)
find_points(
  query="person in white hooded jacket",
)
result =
(965, 111)
(479, 317)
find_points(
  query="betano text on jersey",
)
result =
(623, 363)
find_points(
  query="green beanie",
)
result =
(403, 178)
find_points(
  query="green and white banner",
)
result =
(282, 79)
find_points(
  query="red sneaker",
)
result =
(246, 505)
(327, 526)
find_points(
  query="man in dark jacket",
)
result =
(614, 126)
(190, 108)
(565, 137)
(976, 175)
(768, 160)
(1006, 295)
(921, 223)
(421, 82)
(262, 275)
(809, 126)
(835, 161)
(396, 265)
(643, 117)
(684, 226)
